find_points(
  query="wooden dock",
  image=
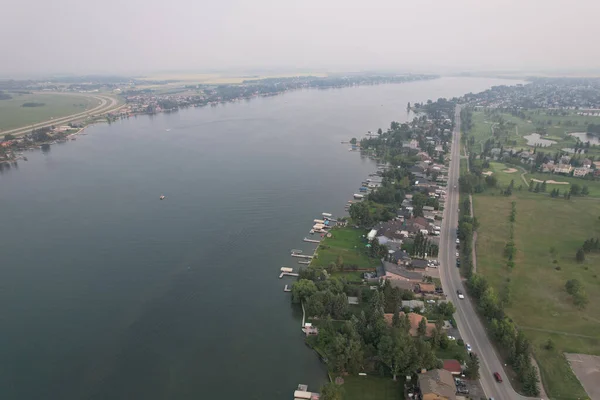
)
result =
(300, 256)
(304, 262)
(287, 289)
(287, 274)
(311, 240)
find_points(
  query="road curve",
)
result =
(107, 103)
(470, 327)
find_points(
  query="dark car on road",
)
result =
(497, 377)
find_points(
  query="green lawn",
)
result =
(504, 178)
(372, 388)
(453, 352)
(350, 276)
(482, 129)
(14, 115)
(347, 242)
(593, 186)
(538, 297)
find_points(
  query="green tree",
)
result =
(573, 286)
(314, 306)
(549, 344)
(302, 289)
(543, 187)
(339, 261)
(332, 391)
(422, 329)
(353, 140)
(580, 255)
(472, 371)
(360, 214)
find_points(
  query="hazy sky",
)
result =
(79, 36)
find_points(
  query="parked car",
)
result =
(497, 377)
(468, 347)
(457, 241)
(451, 337)
(457, 254)
(460, 294)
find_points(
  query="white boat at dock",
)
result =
(296, 251)
(358, 196)
(326, 214)
(304, 262)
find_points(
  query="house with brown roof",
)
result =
(453, 366)
(426, 288)
(414, 320)
(437, 384)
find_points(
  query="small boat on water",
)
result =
(296, 251)
(162, 197)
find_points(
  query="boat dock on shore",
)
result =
(301, 256)
(304, 262)
(311, 240)
(288, 274)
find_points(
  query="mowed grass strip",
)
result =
(538, 297)
(372, 388)
(347, 242)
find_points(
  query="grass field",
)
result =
(13, 115)
(347, 242)
(454, 351)
(504, 178)
(482, 129)
(539, 303)
(372, 388)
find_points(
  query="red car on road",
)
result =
(497, 377)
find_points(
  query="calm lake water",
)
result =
(535, 139)
(585, 137)
(109, 293)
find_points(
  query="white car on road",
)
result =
(460, 294)
(468, 347)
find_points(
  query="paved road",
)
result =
(470, 327)
(107, 103)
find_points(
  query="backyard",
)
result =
(547, 234)
(372, 388)
(350, 244)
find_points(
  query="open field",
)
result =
(347, 242)
(539, 303)
(14, 115)
(372, 388)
